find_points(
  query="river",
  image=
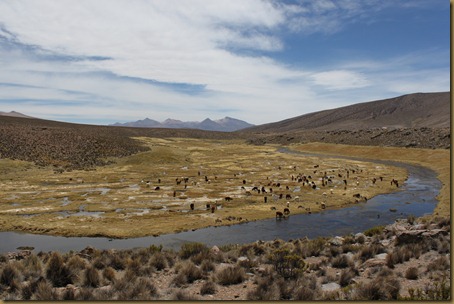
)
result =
(417, 196)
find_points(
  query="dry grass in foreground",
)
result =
(408, 260)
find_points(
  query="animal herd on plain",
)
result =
(280, 189)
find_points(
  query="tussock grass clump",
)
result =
(268, 288)
(117, 262)
(91, 277)
(306, 289)
(33, 266)
(440, 264)
(109, 274)
(346, 277)
(10, 276)
(143, 289)
(207, 266)
(188, 272)
(191, 249)
(57, 272)
(381, 288)
(183, 295)
(44, 292)
(230, 275)
(76, 263)
(411, 273)
(368, 252)
(374, 231)
(436, 291)
(158, 261)
(208, 287)
(342, 261)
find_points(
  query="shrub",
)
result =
(286, 264)
(230, 275)
(208, 288)
(190, 249)
(411, 273)
(57, 272)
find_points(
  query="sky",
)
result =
(107, 61)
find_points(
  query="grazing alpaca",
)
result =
(192, 206)
(286, 211)
(279, 215)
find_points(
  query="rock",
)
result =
(337, 241)
(215, 249)
(243, 259)
(381, 256)
(330, 286)
(373, 263)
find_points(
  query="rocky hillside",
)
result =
(430, 110)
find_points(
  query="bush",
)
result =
(230, 275)
(288, 265)
(208, 288)
(437, 291)
(44, 292)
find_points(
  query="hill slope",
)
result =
(408, 111)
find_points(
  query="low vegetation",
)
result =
(378, 268)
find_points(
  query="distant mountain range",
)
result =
(14, 114)
(226, 124)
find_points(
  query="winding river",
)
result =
(417, 197)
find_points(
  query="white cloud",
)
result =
(215, 45)
(340, 79)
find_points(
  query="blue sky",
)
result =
(109, 61)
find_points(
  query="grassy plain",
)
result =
(435, 159)
(116, 200)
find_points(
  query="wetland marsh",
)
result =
(150, 193)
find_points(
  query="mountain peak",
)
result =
(226, 124)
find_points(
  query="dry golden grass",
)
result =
(116, 201)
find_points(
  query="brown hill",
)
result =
(417, 110)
